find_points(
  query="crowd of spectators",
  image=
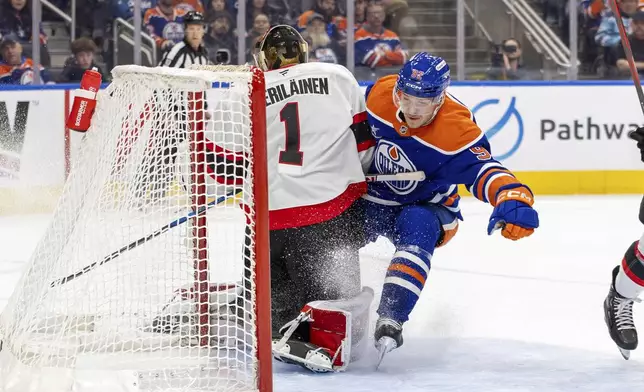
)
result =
(602, 52)
(600, 48)
(323, 24)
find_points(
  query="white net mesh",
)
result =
(143, 281)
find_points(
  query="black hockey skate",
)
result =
(388, 336)
(618, 314)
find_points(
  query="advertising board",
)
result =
(559, 138)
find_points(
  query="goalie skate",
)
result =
(307, 355)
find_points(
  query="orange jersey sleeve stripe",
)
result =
(481, 183)
(409, 271)
(451, 200)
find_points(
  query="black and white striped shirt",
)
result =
(182, 55)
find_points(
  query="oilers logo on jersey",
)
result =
(391, 159)
(173, 31)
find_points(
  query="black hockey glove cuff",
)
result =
(638, 136)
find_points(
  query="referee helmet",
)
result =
(194, 17)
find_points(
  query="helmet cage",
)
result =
(274, 53)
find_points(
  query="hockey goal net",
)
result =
(153, 273)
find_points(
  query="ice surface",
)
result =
(495, 315)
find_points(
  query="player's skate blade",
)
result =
(388, 336)
(625, 353)
(385, 345)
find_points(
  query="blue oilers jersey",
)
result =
(451, 150)
(163, 29)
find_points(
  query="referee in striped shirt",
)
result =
(191, 50)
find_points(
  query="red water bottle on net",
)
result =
(80, 116)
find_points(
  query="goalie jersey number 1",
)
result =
(291, 155)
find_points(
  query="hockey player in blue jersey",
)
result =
(420, 127)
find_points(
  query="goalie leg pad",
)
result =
(325, 333)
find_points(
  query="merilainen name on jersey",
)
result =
(297, 87)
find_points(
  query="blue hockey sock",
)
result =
(405, 279)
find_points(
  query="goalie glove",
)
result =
(327, 335)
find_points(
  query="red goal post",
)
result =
(260, 195)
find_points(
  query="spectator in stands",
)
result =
(165, 24)
(360, 13)
(608, 35)
(336, 24)
(215, 6)
(281, 12)
(15, 21)
(395, 11)
(593, 11)
(329, 10)
(636, 39)
(375, 45)
(82, 59)
(261, 24)
(16, 68)
(288, 11)
(254, 8)
(220, 41)
(125, 8)
(321, 47)
(188, 5)
(409, 28)
(506, 61)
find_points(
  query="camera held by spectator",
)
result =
(220, 39)
(505, 61)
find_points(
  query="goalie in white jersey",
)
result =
(319, 149)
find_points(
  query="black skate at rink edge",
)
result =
(618, 315)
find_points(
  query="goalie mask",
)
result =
(282, 45)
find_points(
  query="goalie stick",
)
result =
(145, 239)
(408, 176)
